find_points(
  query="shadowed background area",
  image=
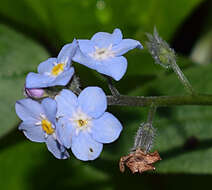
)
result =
(32, 31)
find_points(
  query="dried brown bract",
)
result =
(139, 161)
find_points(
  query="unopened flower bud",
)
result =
(160, 50)
(34, 92)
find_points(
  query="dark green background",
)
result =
(33, 30)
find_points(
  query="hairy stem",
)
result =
(151, 113)
(160, 101)
(112, 88)
(182, 78)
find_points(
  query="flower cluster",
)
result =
(66, 121)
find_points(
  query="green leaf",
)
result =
(28, 165)
(18, 56)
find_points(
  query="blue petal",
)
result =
(87, 46)
(84, 147)
(32, 131)
(67, 52)
(46, 66)
(66, 103)
(126, 45)
(104, 39)
(50, 107)
(34, 80)
(28, 109)
(63, 78)
(117, 36)
(106, 129)
(83, 59)
(93, 101)
(56, 149)
(65, 131)
(114, 67)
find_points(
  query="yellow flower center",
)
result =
(82, 123)
(47, 126)
(57, 69)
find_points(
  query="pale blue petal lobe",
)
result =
(28, 109)
(126, 45)
(102, 39)
(50, 107)
(106, 129)
(87, 46)
(66, 103)
(67, 52)
(65, 132)
(117, 36)
(34, 80)
(85, 148)
(64, 78)
(115, 67)
(93, 101)
(31, 131)
(56, 149)
(83, 59)
(46, 66)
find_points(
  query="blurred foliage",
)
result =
(202, 51)
(59, 21)
(29, 166)
(18, 56)
(184, 134)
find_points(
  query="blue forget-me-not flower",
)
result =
(54, 71)
(39, 124)
(83, 123)
(104, 51)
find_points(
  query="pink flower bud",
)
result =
(34, 92)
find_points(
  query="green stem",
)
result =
(113, 89)
(151, 113)
(160, 101)
(182, 78)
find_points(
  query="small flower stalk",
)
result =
(114, 91)
(165, 56)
